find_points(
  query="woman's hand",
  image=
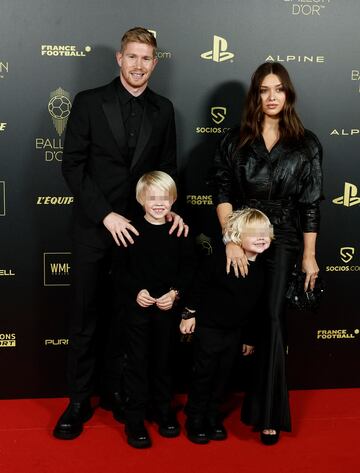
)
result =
(247, 349)
(236, 258)
(187, 326)
(310, 267)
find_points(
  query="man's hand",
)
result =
(187, 326)
(119, 228)
(166, 301)
(144, 299)
(236, 258)
(178, 223)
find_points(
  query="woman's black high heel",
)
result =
(270, 439)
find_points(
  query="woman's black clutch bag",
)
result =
(298, 298)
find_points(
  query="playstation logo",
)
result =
(350, 196)
(219, 52)
(347, 253)
(218, 114)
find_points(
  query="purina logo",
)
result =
(2, 199)
(59, 107)
(349, 198)
(57, 268)
(218, 114)
(347, 253)
(219, 52)
(56, 342)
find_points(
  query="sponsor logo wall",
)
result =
(204, 67)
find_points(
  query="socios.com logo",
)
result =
(347, 253)
(218, 114)
(219, 51)
(160, 54)
(349, 198)
(59, 107)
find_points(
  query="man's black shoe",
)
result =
(196, 431)
(113, 402)
(70, 424)
(137, 434)
(215, 429)
(168, 424)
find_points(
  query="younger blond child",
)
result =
(222, 313)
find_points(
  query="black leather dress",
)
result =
(286, 184)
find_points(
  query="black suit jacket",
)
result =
(94, 164)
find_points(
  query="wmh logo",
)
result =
(57, 268)
(219, 51)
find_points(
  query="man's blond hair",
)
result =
(138, 35)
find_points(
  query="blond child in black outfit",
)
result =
(149, 276)
(222, 307)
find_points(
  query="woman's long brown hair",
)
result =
(290, 125)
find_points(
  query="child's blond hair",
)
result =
(158, 179)
(240, 220)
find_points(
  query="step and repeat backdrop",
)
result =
(208, 50)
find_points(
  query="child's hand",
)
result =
(166, 301)
(144, 299)
(248, 349)
(187, 326)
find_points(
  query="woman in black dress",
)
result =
(272, 163)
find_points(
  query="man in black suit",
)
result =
(115, 134)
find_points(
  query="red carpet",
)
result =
(325, 439)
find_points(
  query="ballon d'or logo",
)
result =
(59, 107)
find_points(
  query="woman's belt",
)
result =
(271, 204)
(277, 210)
